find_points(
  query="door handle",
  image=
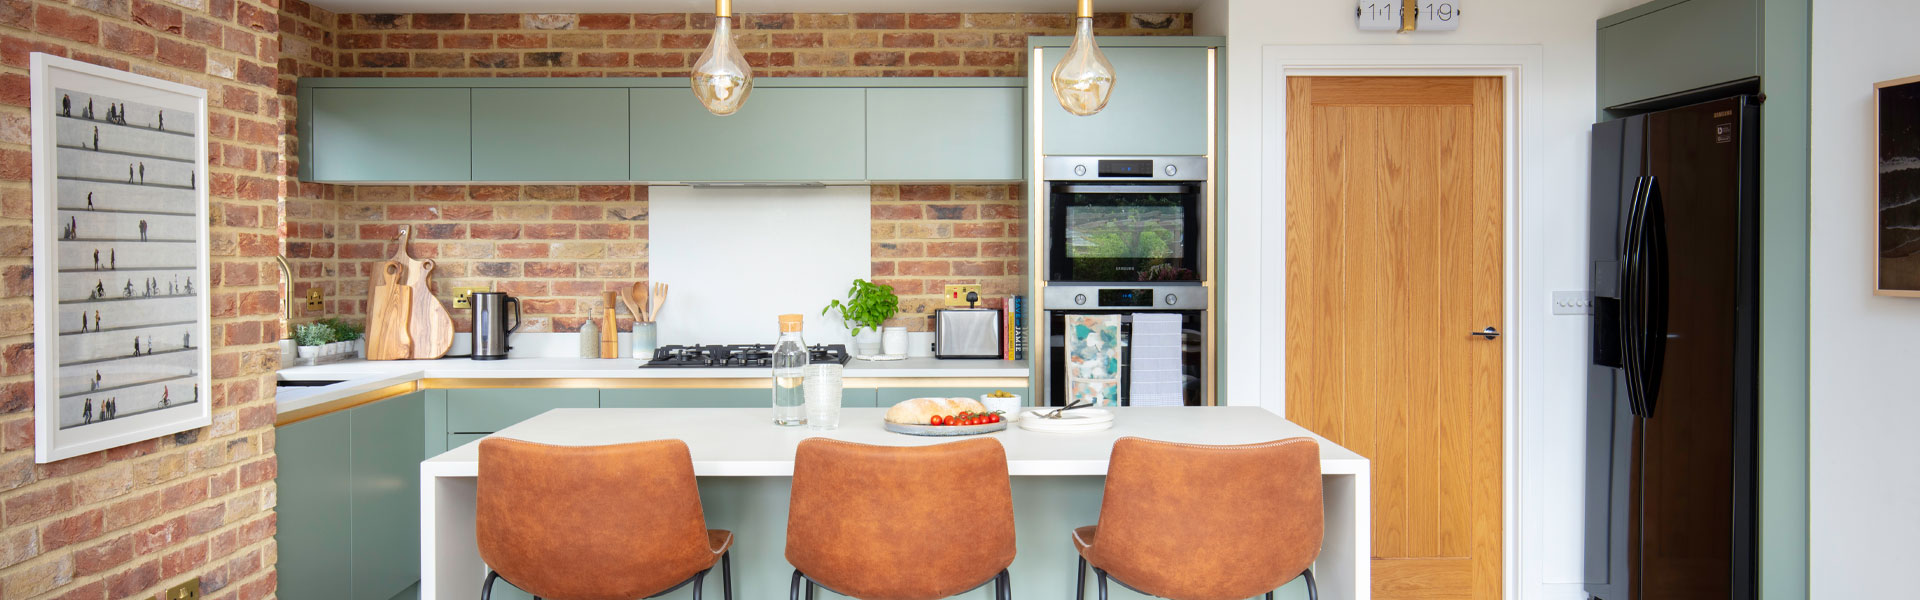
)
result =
(1488, 333)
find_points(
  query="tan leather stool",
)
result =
(1192, 522)
(595, 522)
(900, 523)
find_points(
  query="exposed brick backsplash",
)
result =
(129, 521)
(558, 246)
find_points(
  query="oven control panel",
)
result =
(1125, 168)
(1111, 297)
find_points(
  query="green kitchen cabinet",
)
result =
(386, 495)
(1158, 107)
(491, 410)
(891, 396)
(315, 489)
(782, 134)
(945, 134)
(1720, 40)
(390, 134)
(550, 134)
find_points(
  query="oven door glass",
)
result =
(1125, 232)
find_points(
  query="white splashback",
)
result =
(738, 258)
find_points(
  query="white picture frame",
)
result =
(125, 362)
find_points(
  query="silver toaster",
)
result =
(968, 333)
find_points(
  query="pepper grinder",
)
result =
(609, 326)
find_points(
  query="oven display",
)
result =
(1126, 298)
(1126, 168)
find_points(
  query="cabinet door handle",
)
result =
(1488, 333)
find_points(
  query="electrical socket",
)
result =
(316, 299)
(463, 296)
(190, 590)
(957, 293)
(1573, 303)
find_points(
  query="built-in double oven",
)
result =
(1126, 242)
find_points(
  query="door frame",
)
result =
(1520, 70)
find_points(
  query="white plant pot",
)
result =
(307, 351)
(893, 341)
(360, 347)
(867, 343)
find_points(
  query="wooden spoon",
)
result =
(639, 294)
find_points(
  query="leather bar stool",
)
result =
(1193, 522)
(900, 523)
(613, 522)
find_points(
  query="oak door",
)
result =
(1394, 259)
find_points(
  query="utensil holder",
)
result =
(645, 339)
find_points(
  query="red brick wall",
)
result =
(127, 522)
(557, 247)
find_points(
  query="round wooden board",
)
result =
(944, 430)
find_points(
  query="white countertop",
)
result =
(743, 442)
(360, 376)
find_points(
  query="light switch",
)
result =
(1573, 303)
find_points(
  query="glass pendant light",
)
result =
(721, 78)
(1084, 79)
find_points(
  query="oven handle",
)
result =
(1123, 189)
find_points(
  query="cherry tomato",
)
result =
(937, 420)
(993, 419)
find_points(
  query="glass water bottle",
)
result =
(789, 374)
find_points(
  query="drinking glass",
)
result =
(823, 391)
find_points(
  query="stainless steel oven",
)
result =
(1125, 219)
(1184, 304)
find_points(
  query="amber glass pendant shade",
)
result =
(1083, 81)
(721, 78)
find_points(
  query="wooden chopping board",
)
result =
(388, 311)
(429, 326)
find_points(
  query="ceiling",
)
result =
(744, 6)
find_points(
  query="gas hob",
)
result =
(739, 355)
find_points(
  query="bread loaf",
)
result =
(921, 411)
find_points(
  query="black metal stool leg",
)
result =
(1004, 588)
(1080, 578)
(1269, 595)
(793, 592)
(486, 589)
(697, 580)
(726, 575)
(1313, 590)
(1101, 577)
(811, 588)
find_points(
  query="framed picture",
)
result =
(1897, 181)
(121, 313)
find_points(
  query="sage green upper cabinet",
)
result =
(550, 134)
(944, 134)
(391, 134)
(1671, 46)
(781, 134)
(1158, 108)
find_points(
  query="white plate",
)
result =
(1074, 421)
(1078, 415)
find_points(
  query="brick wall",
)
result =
(308, 212)
(126, 522)
(557, 247)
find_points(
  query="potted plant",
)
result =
(866, 307)
(310, 337)
(348, 335)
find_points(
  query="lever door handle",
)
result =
(1488, 333)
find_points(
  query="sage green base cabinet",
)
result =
(388, 134)
(800, 129)
(1158, 107)
(559, 134)
(349, 501)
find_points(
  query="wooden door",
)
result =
(1394, 254)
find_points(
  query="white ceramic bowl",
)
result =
(1010, 406)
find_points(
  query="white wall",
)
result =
(1865, 483)
(1551, 563)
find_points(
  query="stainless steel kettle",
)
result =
(490, 329)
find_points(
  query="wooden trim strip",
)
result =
(327, 408)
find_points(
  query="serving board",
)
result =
(944, 430)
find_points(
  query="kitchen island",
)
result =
(745, 466)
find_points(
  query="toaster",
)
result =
(968, 333)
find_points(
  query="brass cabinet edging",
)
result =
(614, 383)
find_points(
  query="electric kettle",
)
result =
(490, 329)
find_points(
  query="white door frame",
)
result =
(1519, 66)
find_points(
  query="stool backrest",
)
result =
(590, 522)
(1193, 521)
(900, 523)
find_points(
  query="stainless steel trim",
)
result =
(1186, 168)
(1183, 297)
(1124, 189)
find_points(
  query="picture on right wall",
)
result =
(1897, 111)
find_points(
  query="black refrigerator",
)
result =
(1672, 384)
